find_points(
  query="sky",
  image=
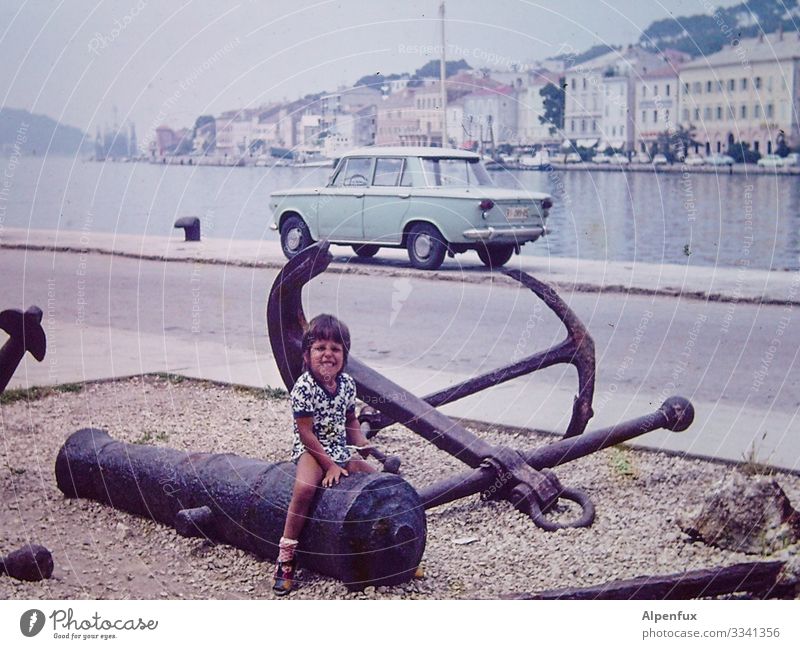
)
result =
(91, 64)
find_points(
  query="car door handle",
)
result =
(404, 196)
(361, 195)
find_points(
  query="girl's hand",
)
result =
(332, 475)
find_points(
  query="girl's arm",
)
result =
(354, 435)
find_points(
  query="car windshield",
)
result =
(455, 172)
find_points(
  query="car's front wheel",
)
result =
(496, 255)
(366, 250)
(426, 248)
(294, 236)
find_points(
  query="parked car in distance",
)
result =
(792, 160)
(770, 161)
(642, 158)
(430, 201)
(601, 158)
(572, 158)
(659, 159)
(694, 160)
(719, 160)
(620, 159)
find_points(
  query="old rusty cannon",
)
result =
(367, 530)
(522, 478)
(25, 335)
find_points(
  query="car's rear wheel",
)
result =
(426, 248)
(294, 236)
(366, 250)
(495, 255)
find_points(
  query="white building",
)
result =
(530, 107)
(490, 116)
(657, 106)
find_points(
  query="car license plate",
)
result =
(516, 213)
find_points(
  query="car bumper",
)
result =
(505, 235)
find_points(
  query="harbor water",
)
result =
(697, 218)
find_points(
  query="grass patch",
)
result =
(37, 392)
(263, 393)
(150, 438)
(24, 394)
(622, 464)
(170, 378)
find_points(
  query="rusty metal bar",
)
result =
(675, 414)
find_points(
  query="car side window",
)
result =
(387, 172)
(412, 174)
(357, 172)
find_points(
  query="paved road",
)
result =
(423, 333)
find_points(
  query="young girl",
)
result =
(323, 404)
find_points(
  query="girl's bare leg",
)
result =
(308, 478)
(357, 465)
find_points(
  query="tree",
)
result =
(740, 152)
(781, 147)
(554, 98)
(675, 144)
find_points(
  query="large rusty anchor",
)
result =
(520, 478)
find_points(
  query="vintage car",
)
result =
(430, 201)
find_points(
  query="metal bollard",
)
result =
(367, 530)
(191, 227)
(25, 335)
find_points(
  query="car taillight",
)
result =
(486, 205)
(547, 204)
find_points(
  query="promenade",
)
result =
(722, 431)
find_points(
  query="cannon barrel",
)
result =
(367, 530)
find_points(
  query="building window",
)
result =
(719, 112)
(685, 114)
(622, 131)
(731, 84)
(757, 111)
(666, 116)
(667, 90)
(655, 117)
(697, 114)
(770, 110)
(644, 91)
(655, 91)
(769, 147)
(644, 117)
(698, 88)
(757, 82)
(707, 113)
(584, 83)
(708, 86)
(743, 112)
(755, 145)
(572, 83)
(594, 126)
(719, 146)
(685, 88)
(572, 125)
(614, 131)
(583, 126)
(743, 84)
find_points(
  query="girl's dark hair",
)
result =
(326, 327)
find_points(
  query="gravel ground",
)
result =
(474, 549)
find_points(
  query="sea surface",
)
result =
(704, 219)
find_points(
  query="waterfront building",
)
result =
(747, 92)
(607, 81)
(530, 107)
(490, 116)
(657, 107)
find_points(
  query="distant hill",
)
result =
(705, 34)
(38, 134)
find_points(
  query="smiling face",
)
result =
(325, 359)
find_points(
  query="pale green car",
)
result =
(431, 201)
